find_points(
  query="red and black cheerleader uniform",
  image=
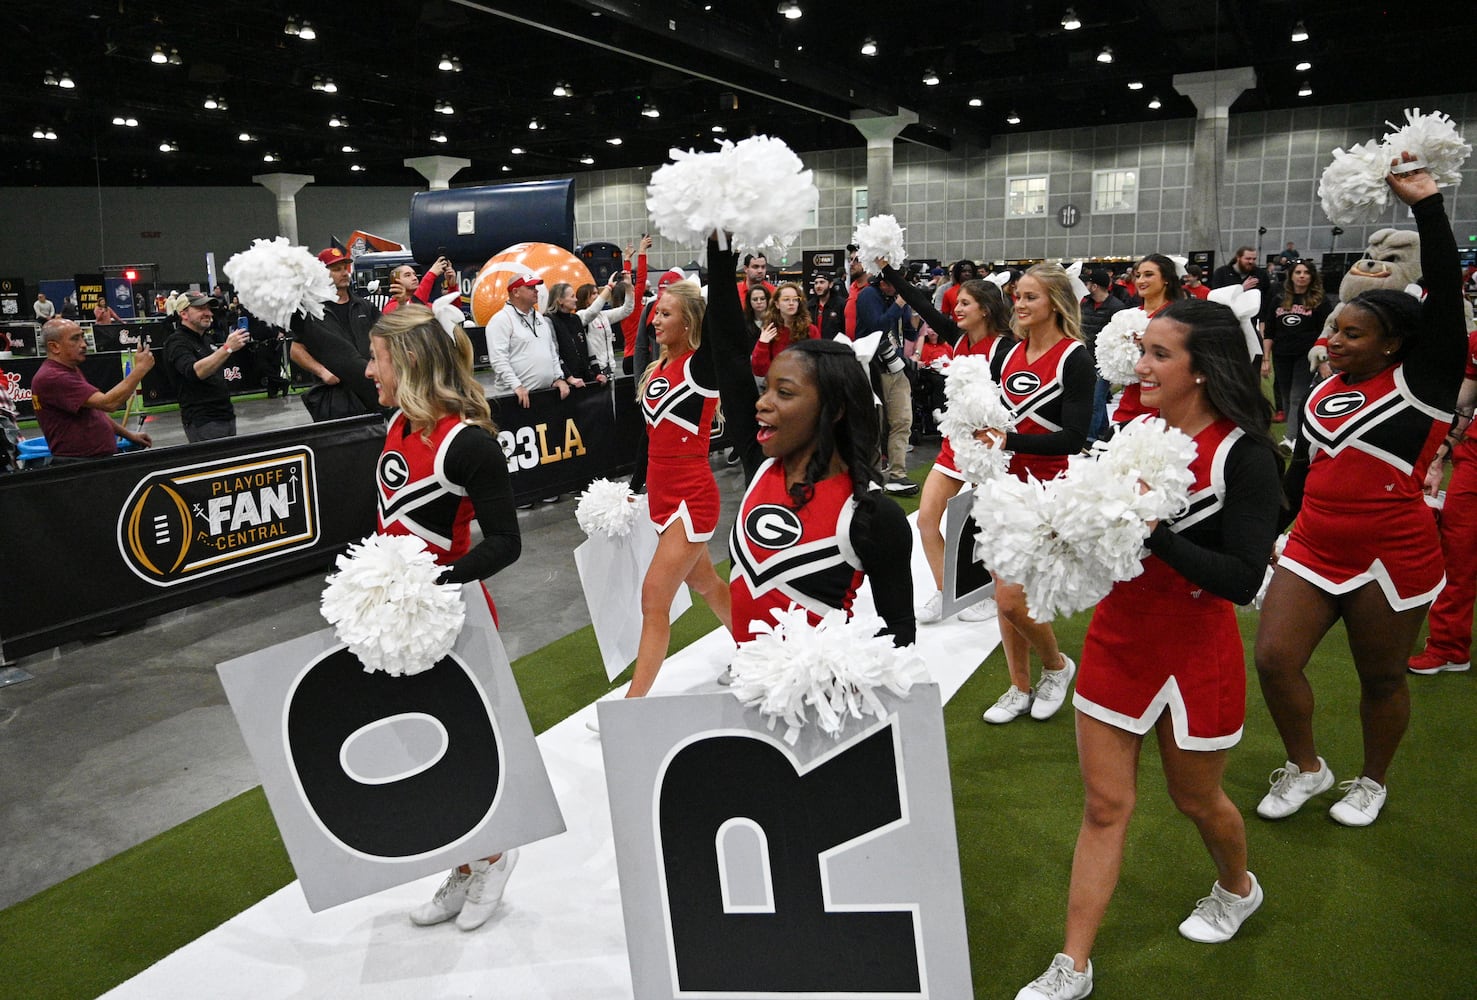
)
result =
(1450, 617)
(678, 402)
(992, 347)
(1364, 447)
(1052, 401)
(433, 488)
(1167, 640)
(1130, 400)
(816, 554)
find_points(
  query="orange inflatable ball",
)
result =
(544, 260)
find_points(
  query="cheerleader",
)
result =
(1139, 674)
(980, 328)
(1365, 548)
(1158, 284)
(441, 466)
(1047, 379)
(678, 396)
(814, 521)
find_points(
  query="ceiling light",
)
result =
(348, 149)
(306, 32)
(159, 57)
(869, 47)
(65, 82)
(210, 103)
(533, 125)
(269, 157)
(50, 79)
(456, 65)
(337, 122)
(317, 83)
(791, 10)
(506, 168)
(517, 150)
(562, 89)
(356, 168)
(1105, 56)
(587, 159)
(1303, 66)
(438, 136)
(444, 108)
(1012, 119)
(1070, 20)
(1306, 90)
(614, 140)
(1299, 32)
(174, 59)
(128, 122)
(246, 137)
(718, 130)
(445, 64)
(329, 87)
(291, 27)
(651, 111)
(1154, 104)
(930, 78)
(1135, 85)
(50, 136)
(38, 133)
(168, 147)
(975, 102)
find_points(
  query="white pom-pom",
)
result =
(1433, 139)
(879, 236)
(1118, 346)
(1148, 449)
(276, 279)
(758, 190)
(610, 509)
(386, 606)
(1353, 189)
(975, 403)
(836, 667)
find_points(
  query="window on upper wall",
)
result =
(858, 205)
(1025, 197)
(1115, 191)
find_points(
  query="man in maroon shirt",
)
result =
(74, 414)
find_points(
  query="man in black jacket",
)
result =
(1098, 306)
(335, 349)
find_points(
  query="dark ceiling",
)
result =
(740, 65)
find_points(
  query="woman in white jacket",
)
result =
(601, 323)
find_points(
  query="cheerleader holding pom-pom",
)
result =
(1163, 652)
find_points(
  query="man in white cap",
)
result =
(521, 344)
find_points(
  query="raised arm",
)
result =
(725, 335)
(916, 297)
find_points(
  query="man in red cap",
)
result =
(335, 349)
(521, 344)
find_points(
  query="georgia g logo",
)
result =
(392, 470)
(657, 387)
(771, 526)
(1339, 403)
(1022, 383)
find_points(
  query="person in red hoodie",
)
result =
(404, 286)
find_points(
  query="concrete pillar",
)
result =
(437, 170)
(880, 131)
(285, 187)
(1213, 94)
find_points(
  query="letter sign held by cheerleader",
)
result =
(377, 780)
(751, 868)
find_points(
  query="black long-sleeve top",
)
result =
(475, 462)
(1227, 552)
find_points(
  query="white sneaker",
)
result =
(1060, 981)
(984, 611)
(1219, 916)
(1291, 788)
(485, 890)
(1363, 799)
(447, 902)
(1012, 704)
(1051, 689)
(931, 611)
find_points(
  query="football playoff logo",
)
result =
(179, 524)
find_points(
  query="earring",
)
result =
(1200, 381)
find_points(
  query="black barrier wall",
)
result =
(102, 544)
(109, 543)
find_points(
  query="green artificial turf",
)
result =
(1381, 912)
